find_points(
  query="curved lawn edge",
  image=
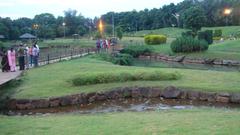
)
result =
(170, 92)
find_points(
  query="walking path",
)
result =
(8, 76)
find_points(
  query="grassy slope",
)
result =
(187, 122)
(55, 79)
(176, 32)
(226, 50)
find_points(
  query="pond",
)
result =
(167, 64)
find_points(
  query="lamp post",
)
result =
(113, 25)
(177, 16)
(64, 29)
(227, 12)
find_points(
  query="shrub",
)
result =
(123, 59)
(136, 50)
(188, 44)
(155, 39)
(217, 33)
(189, 34)
(110, 77)
(206, 35)
(217, 38)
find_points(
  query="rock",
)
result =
(41, 103)
(23, 104)
(193, 95)
(171, 92)
(218, 62)
(207, 96)
(115, 94)
(127, 92)
(223, 99)
(66, 100)
(235, 98)
(136, 93)
(83, 99)
(183, 94)
(11, 104)
(144, 91)
(154, 92)
(230, 63)
(179, 58)
(54, 102)
(209, 61)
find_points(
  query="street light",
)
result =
(177, 16)
(64, 29)
(100, 26)
(227, 12)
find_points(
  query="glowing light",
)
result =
(227, 11)
(100, 26)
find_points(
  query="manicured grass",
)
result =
(56, 79)
(176, 32)
(83, 42)
(226, 50)
(203, 121)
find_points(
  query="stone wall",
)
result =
(184, 59)
(120, 93)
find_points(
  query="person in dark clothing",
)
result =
(21, 60)
(4, 62)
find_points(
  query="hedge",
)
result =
(155, 39)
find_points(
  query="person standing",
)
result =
(4, 62)
(30, 56)
(21, 53)
(35, 55)
(27, 57)
(12, 59)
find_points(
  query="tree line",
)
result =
(187, 14)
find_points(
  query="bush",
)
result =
(155, 39)
(189, 34)
(217, 33)
(123, 59)
(188, 44)
(136, 50)
(206, 35)
(217, 38)
(110, 77)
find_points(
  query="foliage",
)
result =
(217, 38)
(155, 39)
(217, 33)
(110, 77)
(123, 59)
(136, 50)
(194, 18)
(188, 44)
(189, 34)
(119, 32)
(206, 35)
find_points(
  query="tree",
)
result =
(194, 18)
(119, 32)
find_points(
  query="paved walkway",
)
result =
(8, 76)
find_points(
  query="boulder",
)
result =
(127, 92)
(171, 92)
(11, 104)
(41, 103)
(222, 99)
(207, 96)
(66, 100)
(235, 98)
(136, 93)
(54, 102)
(144, 91)
(209, 61)
(193, 95)
(179, 58)
(101, 97)
(154, 92)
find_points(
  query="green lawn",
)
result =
(204, 121)
(55, 79)
(176, 32)
(83, 42)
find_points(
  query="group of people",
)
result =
(27, 56)
(104, 44)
